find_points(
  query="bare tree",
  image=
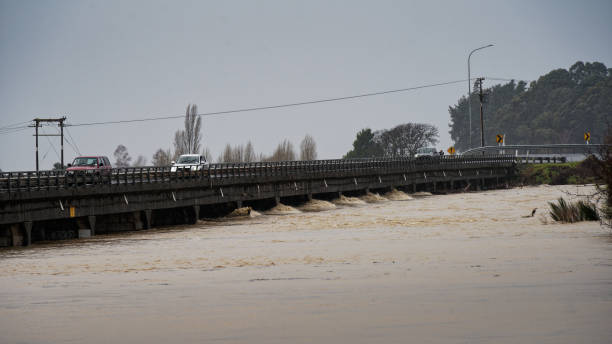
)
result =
(263, 157)
(179, 144)
(405, 139)
(122, 157)
(238, 153)
(249, 153)
(188, 141)
(161, 158)
(207, 154)
(308, 148)
(140, 161)
(283, 152)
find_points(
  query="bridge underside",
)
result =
(66, 214)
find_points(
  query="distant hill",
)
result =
(557, 108)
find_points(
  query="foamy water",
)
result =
(454, 268)
(396, 195)
(373, 198)
(350, 201)
(317, 205)
(282, 209)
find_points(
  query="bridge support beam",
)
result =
(238, 204)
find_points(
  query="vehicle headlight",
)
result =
(194, 168)
(173, 169)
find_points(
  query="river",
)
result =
(459, 268)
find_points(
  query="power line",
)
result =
(13, 125)
(75, 147)
(505, 79)
(52, 145)
(318, 101)
(13, 130)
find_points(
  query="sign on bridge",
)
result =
(499, 138)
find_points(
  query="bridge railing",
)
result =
(219, 173)
(541, 149)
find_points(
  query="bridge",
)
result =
(545, 153)
(51, 205)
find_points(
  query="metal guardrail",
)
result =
(27, 181)
(529, 150)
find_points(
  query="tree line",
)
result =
(400, 141)
(189, 141)
(559, 107)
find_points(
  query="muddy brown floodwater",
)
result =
(461, 268)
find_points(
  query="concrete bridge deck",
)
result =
(50, 205)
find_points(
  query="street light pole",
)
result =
(470, 90)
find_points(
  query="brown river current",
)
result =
(396, 268)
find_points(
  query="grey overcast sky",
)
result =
(114, 60)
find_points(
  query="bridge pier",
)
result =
(196, 213)
(86, 227)
(27, 232)
(148, 214)
(16, 235)
(137, 220)
(20, 234)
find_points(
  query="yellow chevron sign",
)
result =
(499, 138)
(587, 136)
(451, 150)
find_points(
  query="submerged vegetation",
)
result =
(569, 212)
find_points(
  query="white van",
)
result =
(193, 162)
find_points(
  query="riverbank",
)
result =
(470, 267)
(572, 173)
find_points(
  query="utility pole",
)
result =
(37, 122)
(470, 91)
(481, 97)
